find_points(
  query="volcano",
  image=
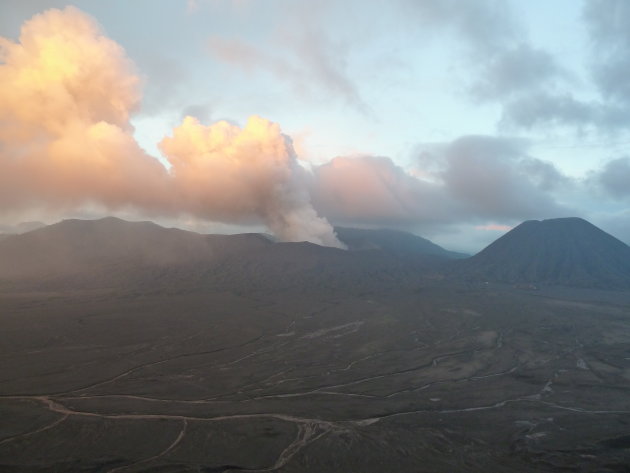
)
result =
(561, 251)
(395, 242)
(110, 249)
(111, 252)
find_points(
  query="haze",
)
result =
(453, 121)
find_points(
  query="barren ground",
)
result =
(437, 378)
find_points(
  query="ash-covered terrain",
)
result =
(564, 251)
(127, 347)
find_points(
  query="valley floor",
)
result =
(429, 379)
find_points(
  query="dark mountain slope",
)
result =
(114, 253)
(393, 241)
(95, 247)
(563, 251)
(304, 266)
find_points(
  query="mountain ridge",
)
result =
(394, 241)
(111, 251)
(563, 251)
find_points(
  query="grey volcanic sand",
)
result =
(438, 378)
(127, 347)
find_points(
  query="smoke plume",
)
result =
(227, 172)
(67, 95)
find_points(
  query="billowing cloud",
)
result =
(535, 91)
(614, 177)
(68, 92)
(66, 141)
(494, 178)
(528, 82)
(78, 74)
(521, 68)
(502, 66)
(229, 173)
(540, 108)
(374, 190)
(535, 87)
(472, 179)
(608, 23)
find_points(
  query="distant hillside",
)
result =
(563, 251)
(21, 227)
(393, 241)
(112, 252)
(95, 247)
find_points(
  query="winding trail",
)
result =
(173, 444)
(41, 429)
(309, 429)
(307, 434)
(326, 389)
(159, 362)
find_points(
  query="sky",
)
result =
(453, 119)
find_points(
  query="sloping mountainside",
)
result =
(21, 227)
(563, 251)
(297, 266)
(110, 249)
(112, 252)
(392, 241)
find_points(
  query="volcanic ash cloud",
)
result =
(65, 139)
(67, 95)
(226, 172)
